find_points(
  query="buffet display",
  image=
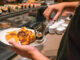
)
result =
(8, 8)
(16, 15)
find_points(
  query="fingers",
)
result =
(47, 13)
(15, 45)
(20, 47)
(56, 16)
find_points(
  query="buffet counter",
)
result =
(52, 44)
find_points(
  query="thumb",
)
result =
(56, 16)
(20, 47)
(16, 45)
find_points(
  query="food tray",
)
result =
(8, 15)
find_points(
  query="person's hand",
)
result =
(23, 50)
(57, 8)
(27, 51)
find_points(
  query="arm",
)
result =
(39, 56)
(71, 4)
(58, 8)
(27, 51)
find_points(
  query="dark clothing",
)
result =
(70, 43)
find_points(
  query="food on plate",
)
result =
(12, 36)
(23, 35)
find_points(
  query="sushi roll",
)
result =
(27, 5)
(9, 9)
(31, 5)
(19, 5)
(4, 9)
(22, 7)
(16, 8)
(13, 8)
(37, 5)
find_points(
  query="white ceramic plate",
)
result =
(4, 32)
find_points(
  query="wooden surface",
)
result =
(51, 45)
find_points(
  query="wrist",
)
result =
(70, 4)
(38, 56)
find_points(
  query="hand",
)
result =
(23, 50)
(57, 8)
(27, 51)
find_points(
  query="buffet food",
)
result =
(23, 35)
(16, 7)
(4, 9)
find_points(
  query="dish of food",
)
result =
(22, 35)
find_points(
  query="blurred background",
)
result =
(29, 13)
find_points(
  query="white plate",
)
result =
(4, 32)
